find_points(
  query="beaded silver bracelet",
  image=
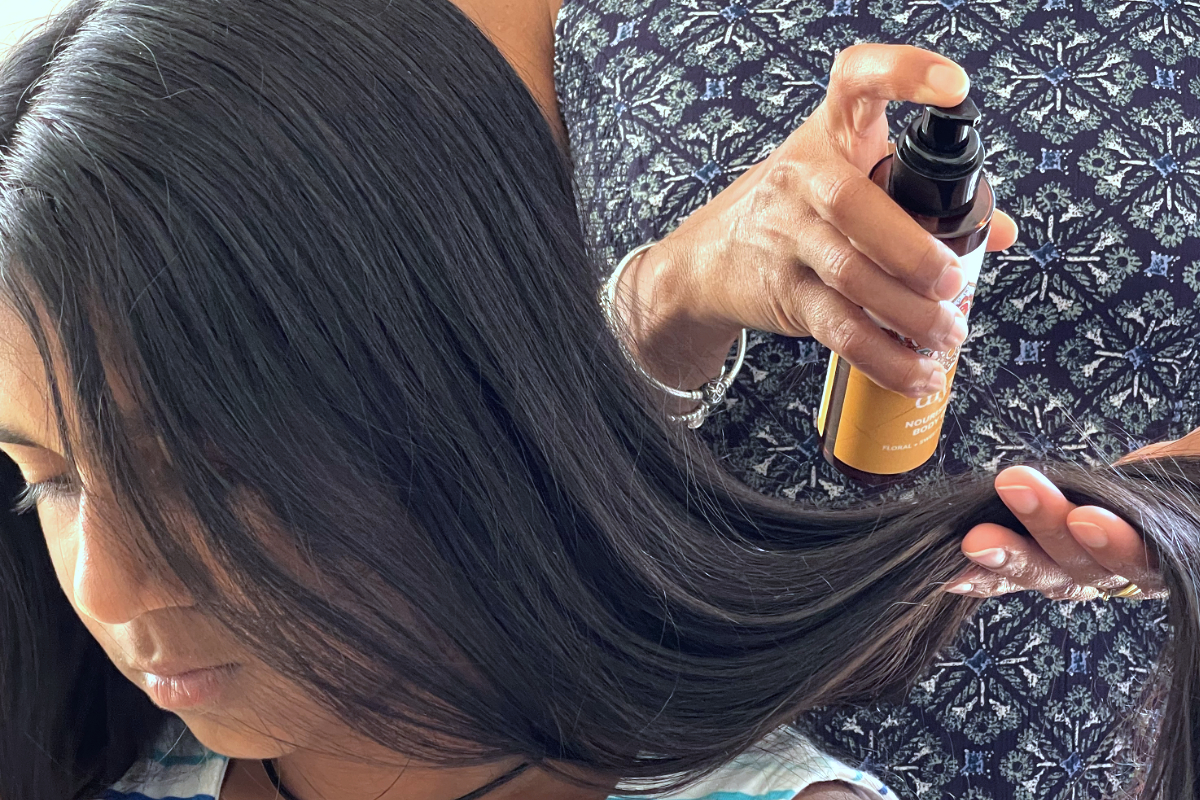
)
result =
(708, 396)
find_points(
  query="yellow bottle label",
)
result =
(885, 433)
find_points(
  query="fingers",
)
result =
(1043, 511)
(1183, 447)
(846, 270)
(1003, 234)
(846, 329)
(1012, 563)
(1071, 552)
(866, 77)
(1116, 546)
(980, 582)
(881, 230)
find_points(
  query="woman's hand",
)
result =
(804, 240)
(1075, 551)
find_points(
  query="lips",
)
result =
(178, 689)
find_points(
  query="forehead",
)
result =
(25, 402)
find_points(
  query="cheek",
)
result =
(269, 718)
(58, 525)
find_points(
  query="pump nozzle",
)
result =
(939, 159)
(947, 129)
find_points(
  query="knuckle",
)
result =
(930, 263)
(846, 62)
(783, 179)
(982, 586)
(915, 376)
(846, 54)
(939, 325)
(791, 301)
(1004, 586)
(841, 268)
(838, 195)
(846, 338)
(1048, 581)
(1073, 592)
(1019, 567)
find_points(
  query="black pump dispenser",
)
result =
(939, 161)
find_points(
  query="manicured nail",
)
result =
(1090, 534)
(962, 588)
(992, 558)
(1021, 499)
(958, 333)
(948, 79)
(950, 284)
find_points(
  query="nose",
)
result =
(113, 581)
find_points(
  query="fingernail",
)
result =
(1021, 499)
(947, 79)
(995, 557)
(936, 382)
(950, 284)
(958, 333)
(962, 588)
(1090, 534)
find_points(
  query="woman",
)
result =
(1083, 337)
(329, 465)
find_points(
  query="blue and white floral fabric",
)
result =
(1084, 337)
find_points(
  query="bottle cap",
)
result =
(939, 160)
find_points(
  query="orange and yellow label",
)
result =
(886, 433)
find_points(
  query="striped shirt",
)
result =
(781, 767)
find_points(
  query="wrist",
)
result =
(669, 331)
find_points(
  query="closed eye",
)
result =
(53, 489)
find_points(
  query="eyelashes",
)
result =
(54, 489)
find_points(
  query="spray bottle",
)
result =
(936, 174)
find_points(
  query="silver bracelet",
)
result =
(711, 394)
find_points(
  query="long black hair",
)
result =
(331, 251)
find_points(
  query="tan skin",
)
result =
(139, 618)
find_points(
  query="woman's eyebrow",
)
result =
(137, 429)
(12, 436)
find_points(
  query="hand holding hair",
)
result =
(1072, 552)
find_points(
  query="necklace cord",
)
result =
(487, 788)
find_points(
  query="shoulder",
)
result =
(179, 768)
(523, 31)
(832, 790)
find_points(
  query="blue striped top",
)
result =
(779, 768)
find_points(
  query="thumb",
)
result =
(866, 77)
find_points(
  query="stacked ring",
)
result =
(1129, 590)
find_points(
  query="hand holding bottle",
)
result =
(804, 241)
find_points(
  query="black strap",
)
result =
(487, 788)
